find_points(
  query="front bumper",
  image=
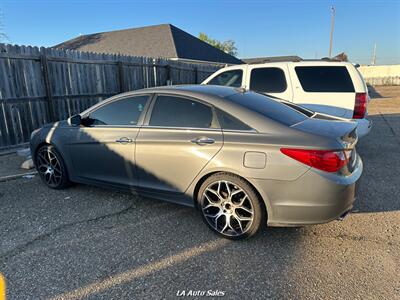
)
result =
(316, 197)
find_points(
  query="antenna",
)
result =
(333, 11)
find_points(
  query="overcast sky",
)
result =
(259, 28)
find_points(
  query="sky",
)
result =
(259, 28)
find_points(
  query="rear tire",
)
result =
(51, 167)
(230, 206)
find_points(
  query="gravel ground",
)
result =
(85, 242)
(10, 164)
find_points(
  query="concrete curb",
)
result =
(16, 176)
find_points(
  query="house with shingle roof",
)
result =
(165, 40)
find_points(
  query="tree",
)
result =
(226, 46)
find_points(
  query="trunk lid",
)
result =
(343, 132)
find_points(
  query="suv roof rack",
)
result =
(284, 59)
(261, 60)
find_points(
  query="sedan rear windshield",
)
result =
(269, 108)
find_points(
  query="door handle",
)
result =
(124, 140)
(203, 141)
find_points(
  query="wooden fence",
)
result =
(42, 85)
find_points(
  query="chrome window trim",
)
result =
(113, 126)
(240, 131)
(180, 128)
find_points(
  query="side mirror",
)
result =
(75, 120)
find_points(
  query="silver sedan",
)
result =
(241, 158)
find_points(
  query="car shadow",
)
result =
(378, 188)
(147, 244)
(373, 92)
(105, 244)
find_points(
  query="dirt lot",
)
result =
(90, 243)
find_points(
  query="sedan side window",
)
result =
(229, 122)
(170, 111)
(120, 112)
(229, 78)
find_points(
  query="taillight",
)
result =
(360, 106)
(325, 160)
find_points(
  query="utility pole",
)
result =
(333, 11)
(374, 56)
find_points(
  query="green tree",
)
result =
(226, 46)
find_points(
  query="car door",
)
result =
(271, 80)
(103, 148)
(179, 137)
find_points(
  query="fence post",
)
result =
(196, 75)
(121, 81)
(46, 78)
(168, 75)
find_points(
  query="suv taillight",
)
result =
(325, 160)
(360, 106)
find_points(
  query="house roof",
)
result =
(163, 40)
(257, 60)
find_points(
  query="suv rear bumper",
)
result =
(363, 126)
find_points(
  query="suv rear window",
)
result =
(269, 108)
(333, 79)
(268, 80)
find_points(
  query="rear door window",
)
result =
(325, 79)
(171, 111)
(268, 80)
(229, 78)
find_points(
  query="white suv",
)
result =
(329, 87)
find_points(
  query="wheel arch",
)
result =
(36, 149)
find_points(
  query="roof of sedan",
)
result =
(213, 90)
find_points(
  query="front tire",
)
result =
(230, 206)
(51, 167)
